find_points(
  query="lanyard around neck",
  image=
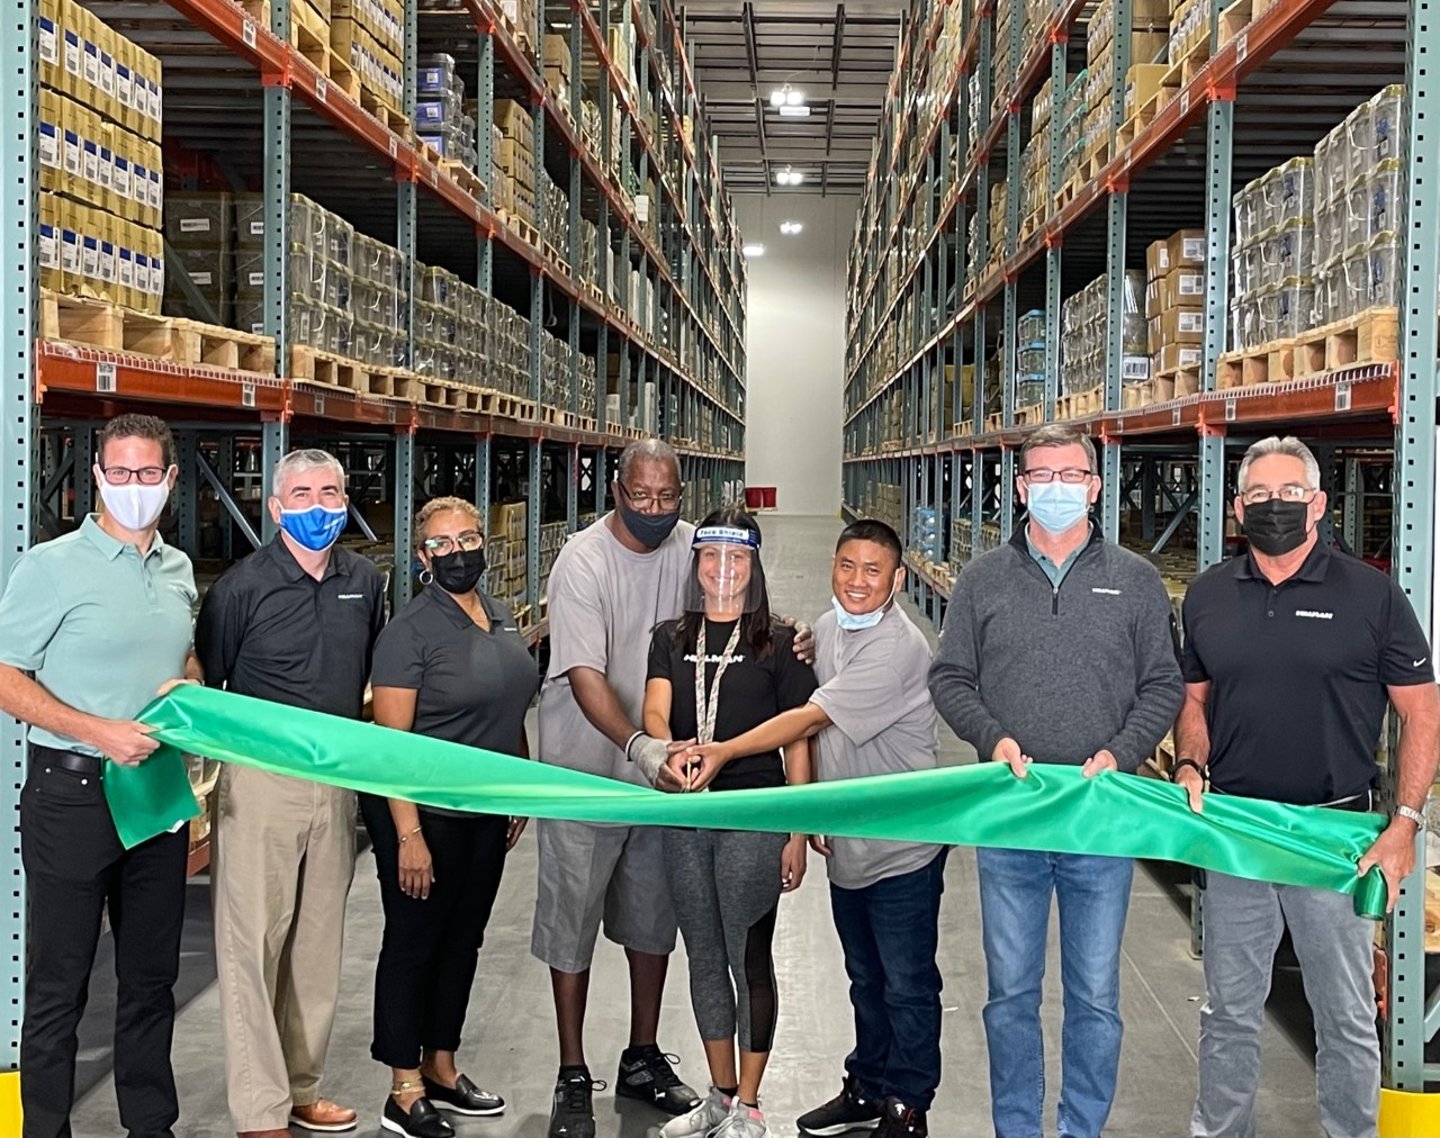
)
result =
(707, 702)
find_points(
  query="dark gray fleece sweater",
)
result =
(1066, 672)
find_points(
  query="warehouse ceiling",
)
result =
(837, 59)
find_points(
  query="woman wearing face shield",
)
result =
(723, 668)
(452, 665)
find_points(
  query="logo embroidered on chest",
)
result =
(349, 596)
(1314, 614)
(1106, 592)
(691, 658)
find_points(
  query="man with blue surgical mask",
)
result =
(874, 716)
(295, 622)
(1058, 647)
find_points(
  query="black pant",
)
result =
(431, 947)
(74, 868)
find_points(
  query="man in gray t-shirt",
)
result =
(873, 716)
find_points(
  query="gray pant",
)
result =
(1243, 924)
(725, 886)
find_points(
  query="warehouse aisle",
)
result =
(510, 1045)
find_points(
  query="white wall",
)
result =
(795, 349)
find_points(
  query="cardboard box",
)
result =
(1157, 260)
(1185, 286)
(1174, 356)
(557, 55)
(1187, 247)
(1142, 81)
(1182, 325)
(513, 120)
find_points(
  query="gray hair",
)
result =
(1289, 446)
(1058, 435)
(646, 450)
(299, 461)
(443, 506)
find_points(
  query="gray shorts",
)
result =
(588, 872)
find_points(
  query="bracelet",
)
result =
(630, 742)
(406, 837)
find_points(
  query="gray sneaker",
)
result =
(742, 1122)
(713, 1109)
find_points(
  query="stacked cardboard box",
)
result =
(98, 132)
(558, 75)
(369, 35)
(441, 118)
(200, 228)
(1149, 36)
(1190, 31)
(505, 554)
(514, 156)
(1175, 301)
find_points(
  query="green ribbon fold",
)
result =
(1055, 808)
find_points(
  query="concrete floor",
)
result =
(510, 1044)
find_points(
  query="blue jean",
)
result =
(1093, 894)
(889, 933)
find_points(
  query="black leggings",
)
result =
(430, 947)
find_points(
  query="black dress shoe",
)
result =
(466, 1098)
(422, 1120)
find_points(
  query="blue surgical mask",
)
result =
(855, 622)
(1056, 506)
(316, 527)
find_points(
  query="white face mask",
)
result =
(134, 506)
(854, 622)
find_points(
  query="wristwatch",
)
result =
(1413, 815)
(1203, 772)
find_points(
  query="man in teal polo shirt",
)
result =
(92, 626)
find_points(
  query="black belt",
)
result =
(1361, 803)
(71, 761)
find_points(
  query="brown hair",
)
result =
(1058, 435)
(130, 426)
(443, 505)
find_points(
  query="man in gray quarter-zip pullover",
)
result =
(1059, 647)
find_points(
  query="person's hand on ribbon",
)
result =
(125, 741)
(1189, 776)
(417, 871)
(1101, 760)
(698, 764)
(792, 864)
(1394, 853)
(650, 755)
(1008, 751)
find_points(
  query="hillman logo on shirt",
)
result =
(1107, 592)
(1312, 614)
(693, 659)
(350, 596)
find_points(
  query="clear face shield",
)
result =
(727, 578)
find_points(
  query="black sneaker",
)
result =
(900, 1121)
(422, 1120)
(646, 1074)
(466, 1098)
(847, 1111)
(573, 1113)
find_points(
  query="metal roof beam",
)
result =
(838, 48)
(752, 53)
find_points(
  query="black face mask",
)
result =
(458, 572)
(650, 530)
(1275, 528)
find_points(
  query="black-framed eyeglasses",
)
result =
(469, 541)
(145, 475)
(1071, 475)
(667, 500)
(1290, 493)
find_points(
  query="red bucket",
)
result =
(754, 499)
(767, 495)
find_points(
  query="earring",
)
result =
(426, 577)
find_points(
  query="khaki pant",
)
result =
(284, 858)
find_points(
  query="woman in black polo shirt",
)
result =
(726, 884)
(451, 664)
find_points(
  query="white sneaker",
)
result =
(742, 1122)
(714, 1109)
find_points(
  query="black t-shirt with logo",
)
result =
(752, 691)
(1298, 673)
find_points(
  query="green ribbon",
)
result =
(1055, 808)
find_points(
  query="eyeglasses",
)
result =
(1290, 493)
(469, 541)
(1072, 475)
(123, 475)
(667, 499)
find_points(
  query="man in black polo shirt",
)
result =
(1291, 652)
(295, 622)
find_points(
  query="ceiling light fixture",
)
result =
(790, 228)
(788, 177)
(788, 112)
(754, 250)
(786, 96)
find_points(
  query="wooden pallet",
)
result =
(557, 417)
(1068, 191)
(1132, 129)
(994, 423)
(504, 405)
(1183, 73)
(110, 327)
(965, 428)
(1135, 395)
(1094, 162)
(1176, 383)
(1079, 404)
(331, 370)
(1269, 363)
(1238, 16)
(1032, 224)
(1030, 416)
(588, 424)
(1372, 336)
(463, 176)
(517, 224)
(378, 107)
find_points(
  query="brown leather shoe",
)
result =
(323, 1116)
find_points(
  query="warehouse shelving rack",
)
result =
(264, 116)
(1265, 94)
